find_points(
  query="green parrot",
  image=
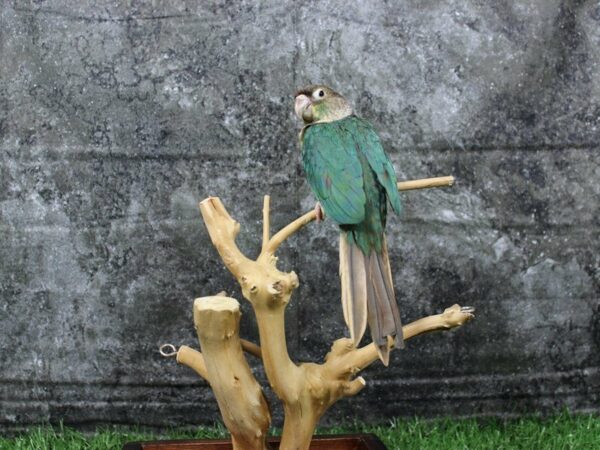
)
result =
(353, 179)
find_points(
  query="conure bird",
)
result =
(353, 179)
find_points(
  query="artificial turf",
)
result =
(564, 431)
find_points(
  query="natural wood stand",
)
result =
(307, 390)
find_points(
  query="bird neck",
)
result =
(334, 109)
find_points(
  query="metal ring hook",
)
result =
(168, 350)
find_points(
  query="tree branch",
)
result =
(266, 222)
(192, 359)
(252, 348)
(346, 360)
(288, 230)
(223, 230)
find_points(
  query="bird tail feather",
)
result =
(353, 274)
(368, 296)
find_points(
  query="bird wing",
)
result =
(379, 161)
(334, 171)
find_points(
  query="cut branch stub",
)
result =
(242, 403)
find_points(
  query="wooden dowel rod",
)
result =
(425, 183)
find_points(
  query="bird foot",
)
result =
(319, 212)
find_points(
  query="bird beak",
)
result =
(303, 107)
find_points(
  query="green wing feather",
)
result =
(334, 172)
(380, 163)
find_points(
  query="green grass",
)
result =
(65, 438)
(564, 431)
(560, 432)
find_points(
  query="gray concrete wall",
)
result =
(116, 118)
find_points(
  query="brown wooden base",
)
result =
(339, 442)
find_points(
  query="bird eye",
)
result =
(319, 94)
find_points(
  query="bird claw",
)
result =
(467, 309)
(319, 212)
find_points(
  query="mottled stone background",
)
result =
(117, 117)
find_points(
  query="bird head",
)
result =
(320, 103)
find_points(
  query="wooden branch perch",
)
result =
(308, 389)
(346, 360)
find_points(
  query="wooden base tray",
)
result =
(334, 442)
